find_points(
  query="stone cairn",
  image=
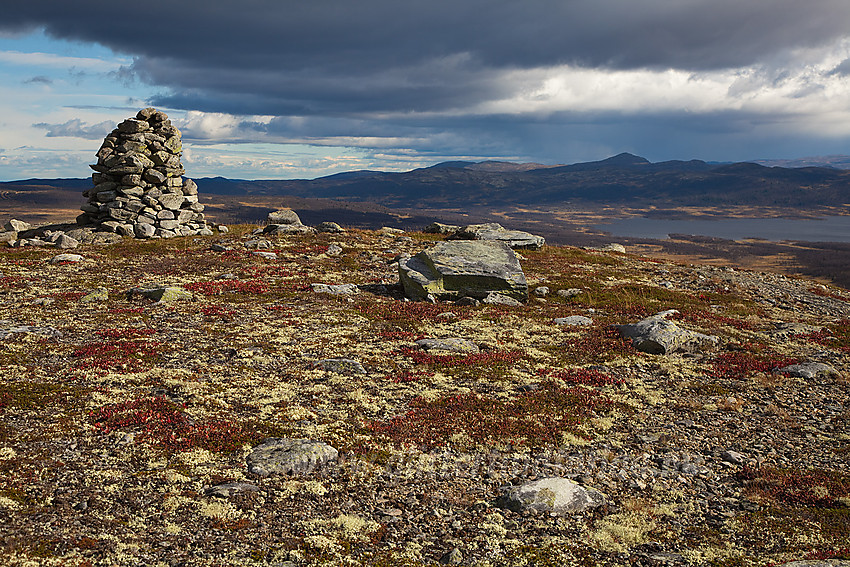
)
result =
(138, 185)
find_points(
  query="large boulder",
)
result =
(553, 495)
(657, 335)
(516, 239)
(451, 270)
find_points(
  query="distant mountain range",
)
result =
(624, 179)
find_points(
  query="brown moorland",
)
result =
(118, 415)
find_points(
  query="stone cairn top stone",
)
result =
(139, 189)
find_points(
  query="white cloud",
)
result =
(37, 59)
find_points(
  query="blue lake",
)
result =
(826, 229)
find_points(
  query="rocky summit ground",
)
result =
(126, 424)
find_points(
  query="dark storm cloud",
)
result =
(329, 55)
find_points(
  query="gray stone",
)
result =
(341, 366)
(657, 335)
(516, 239)
(288, 229)
(574, 321)
(99, 295)
(463, 268)
(451, 344)
(144, 230)
(334, 250)
(553, 495)
(131, 125)
(62, 258)
(733, 457)
(190, 187)
(171, 201)
(541, 291)
(568, 293)
(7, 331)
(809, 370)
(494, 298)
(230, 488)
(163, 294)
(65, 242)
(15, 225)
(289, 456)
(166, 224)
(265, 254)
(283, 216)
(440, 228)
(340, 289)
(328, 226)
(8, 237)
(222, 229)
(154, 176)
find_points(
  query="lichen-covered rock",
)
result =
(163, 294)
(516, 239)
(809, 370)
(289, 456)
(657, 335)
(99, 295)
(456, 269)
(553, 495)
(283, 216)
(341, 366)
(339, 289)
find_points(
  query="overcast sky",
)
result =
(285, 88)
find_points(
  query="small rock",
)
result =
(222, 229)
(733, 457)
(219, 247)
(342, 366)
(65, 242)
(334, 250)
(494, 298)
(341, 289)
(449, 345)
(229, 489)
(265, 254)
(440, 228)
(100, 294)
(809, 370)
(328, 226)
(554, 495)
(289, 456)
(567, 293)
(453, 557)
(73, 258)
(163, 294)
(574, 321)
(541, 291)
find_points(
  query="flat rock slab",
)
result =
(451, 344)
(341, 289)
(455, 269)
(553, 495)
(516, 239)
(29, 330)
(657, 335)
(810, 370)
(289, 456)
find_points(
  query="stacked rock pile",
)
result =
(138, 185)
